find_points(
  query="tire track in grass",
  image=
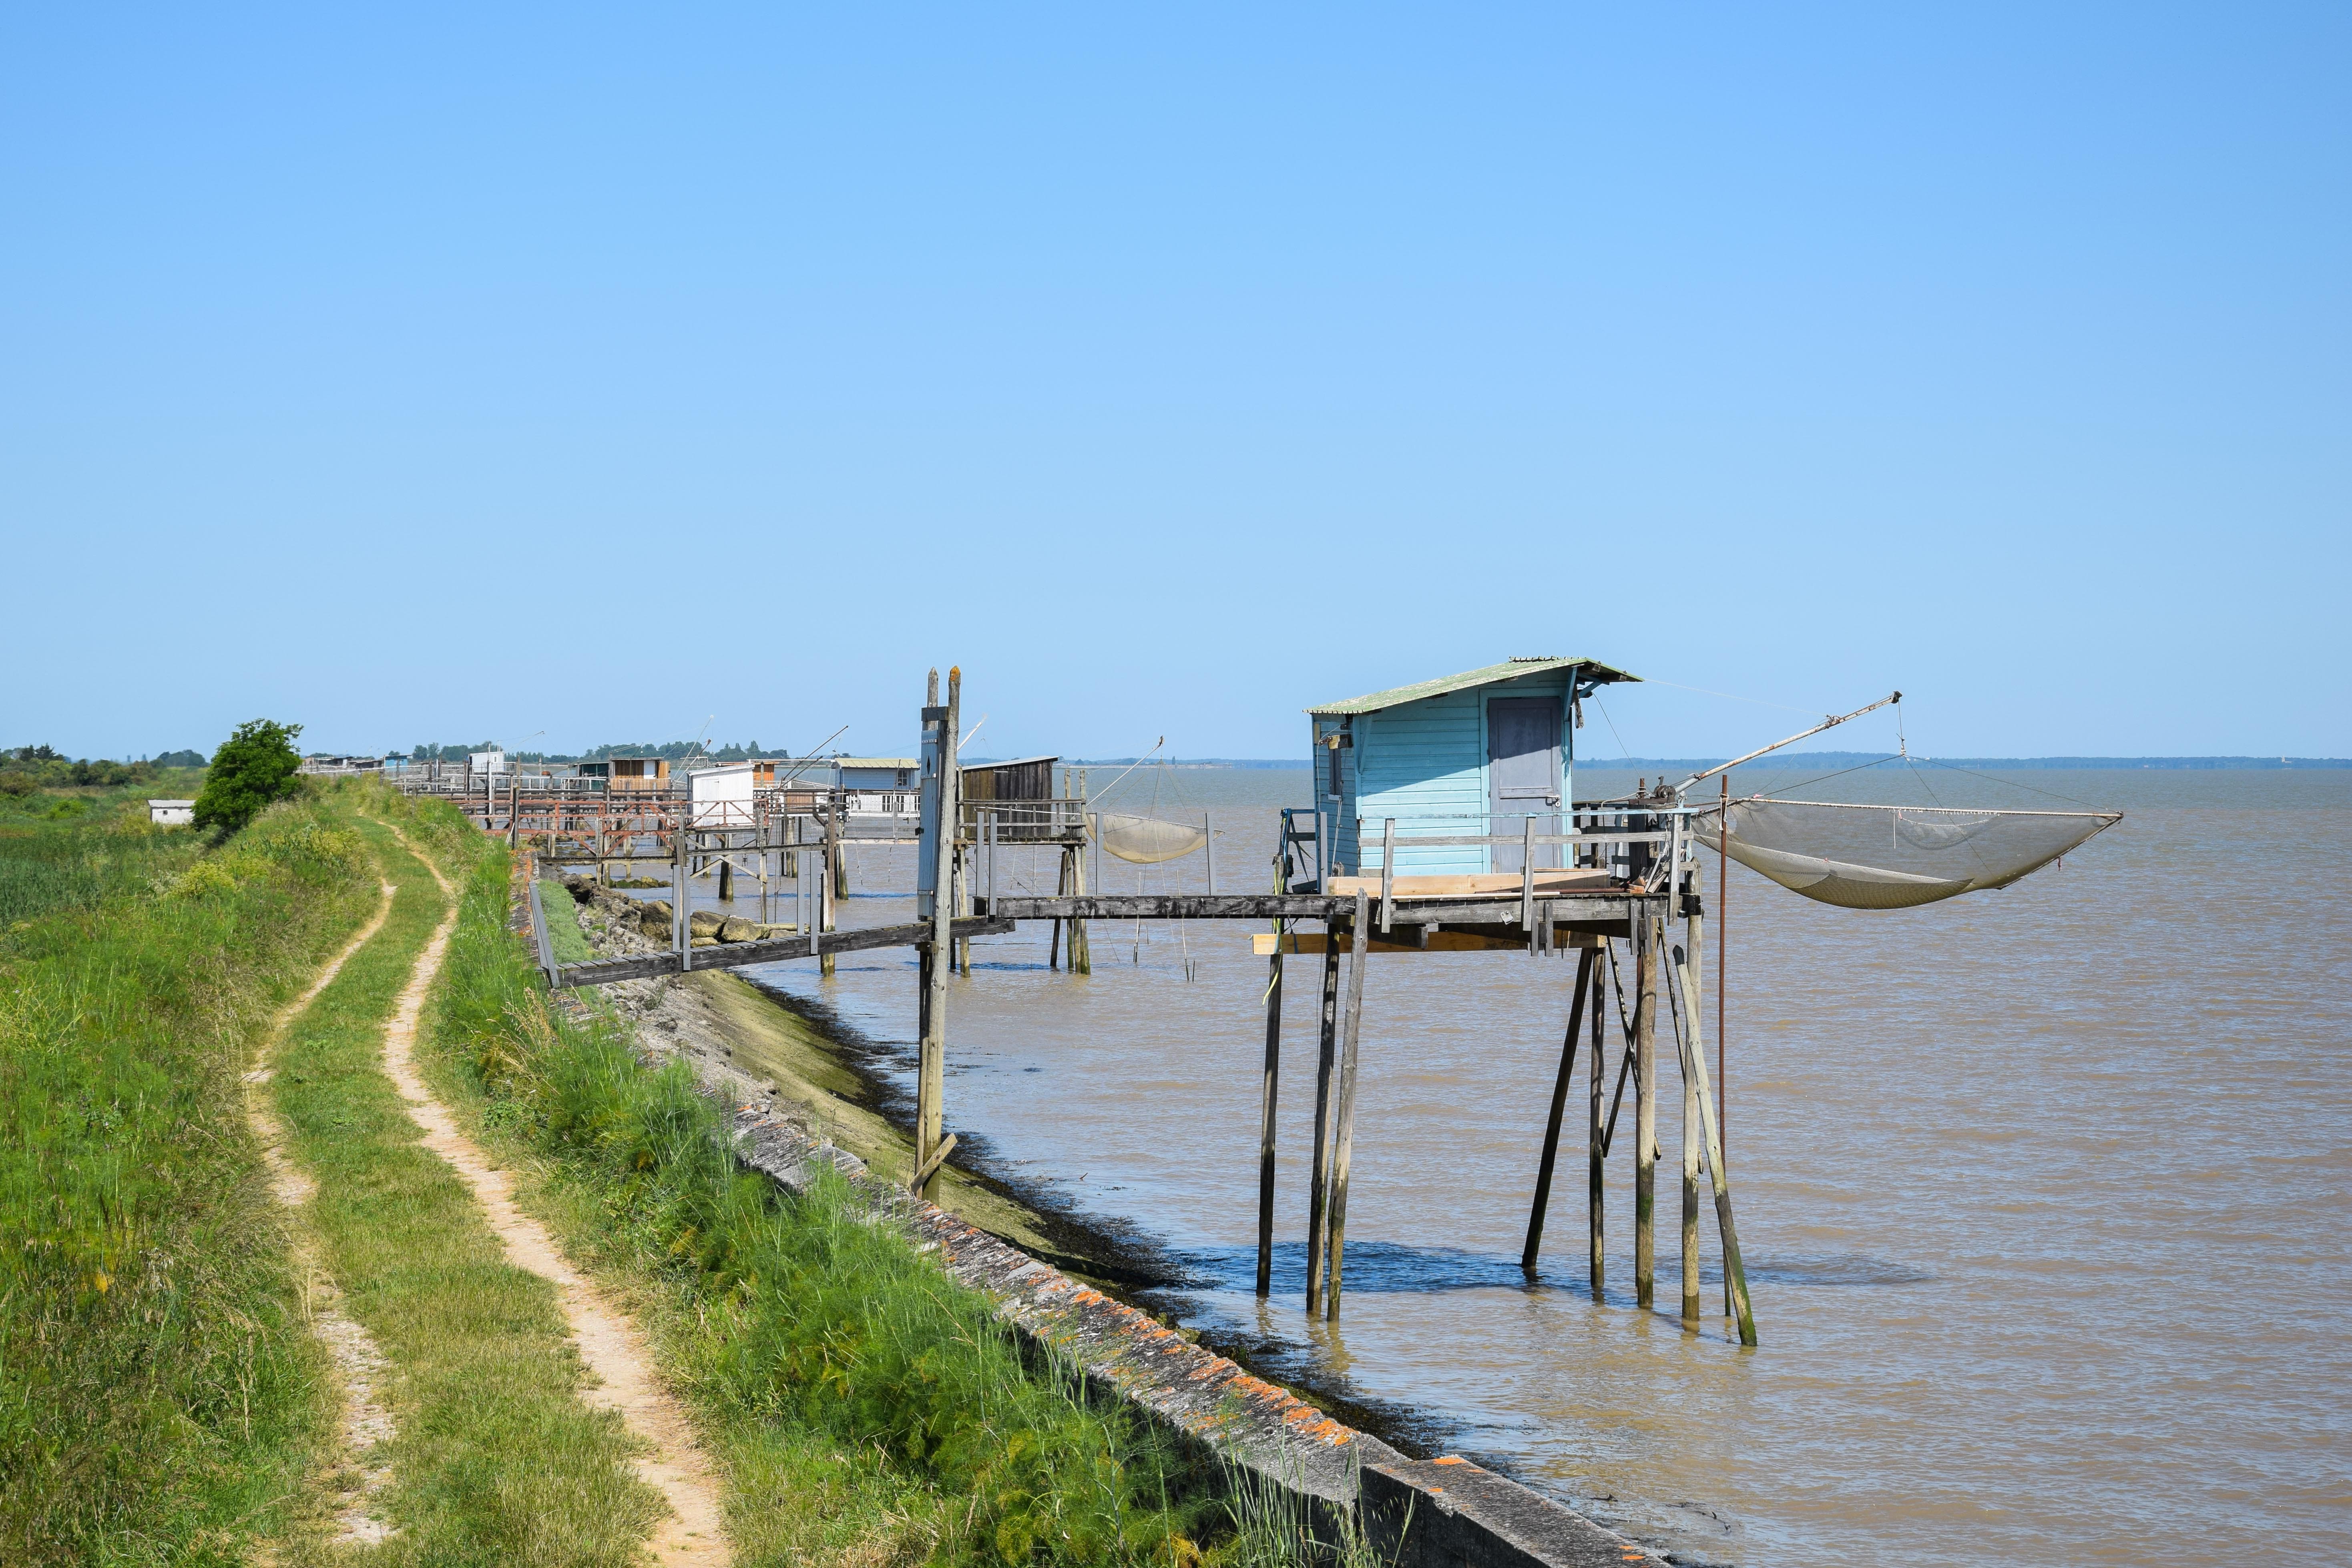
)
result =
(610, 1342)
(359, 1366)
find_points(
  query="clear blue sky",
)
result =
(444, 374)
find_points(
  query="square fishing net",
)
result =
(1894, 856)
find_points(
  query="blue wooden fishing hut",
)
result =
(1463, 756)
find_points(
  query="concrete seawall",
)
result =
(1437, 1514)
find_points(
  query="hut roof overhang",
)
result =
(1591, 671)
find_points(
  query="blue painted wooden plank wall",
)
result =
(1424, 763)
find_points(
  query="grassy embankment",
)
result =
(158, 1391)
(495, 1460)
(864, 1408)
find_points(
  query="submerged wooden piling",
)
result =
(1327, 1056)
(1343, 1141)
(1558, 1112)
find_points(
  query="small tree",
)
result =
(254, 767)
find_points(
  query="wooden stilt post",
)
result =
(726, 878)
(1268, 1096)
(1596, 1149)
(1735, 1272)
(1082, 952)
(1646, 1115)
(836, 849)
(940, 725)
(963, 900)
(1343, 1140)
(681, 923)
(1327, 1056)
(1690, 1179)
(1558, 1112)
(831, 883)
(1722, 980)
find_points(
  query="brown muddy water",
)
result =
(2043, 1193)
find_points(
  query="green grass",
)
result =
(865, 1408)
(74, 849)
(563, 933)
(159, 1396)
(495, 1460)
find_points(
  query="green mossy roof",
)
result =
(1510, 669)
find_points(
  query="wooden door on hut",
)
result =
(1522, 775)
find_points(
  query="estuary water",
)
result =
(2043, 1193)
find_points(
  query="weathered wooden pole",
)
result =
(726, 878)
(1722, 978)
(1082, 952)
(1062, 889)
(1343, 1142)
(1690, 1175)
(940, 731)
(681, 925)
(1327, 1056)
(1735, 1272)
(1645, 1114)
(1558, 1112)
(1267, 1096)
(836, 813)
(1596, 1147)
(830, 885)
(965, 864)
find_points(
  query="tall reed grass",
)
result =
(157, 1389)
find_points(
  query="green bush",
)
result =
(254, 768)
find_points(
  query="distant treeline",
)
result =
(732, 751)
(24, 769)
